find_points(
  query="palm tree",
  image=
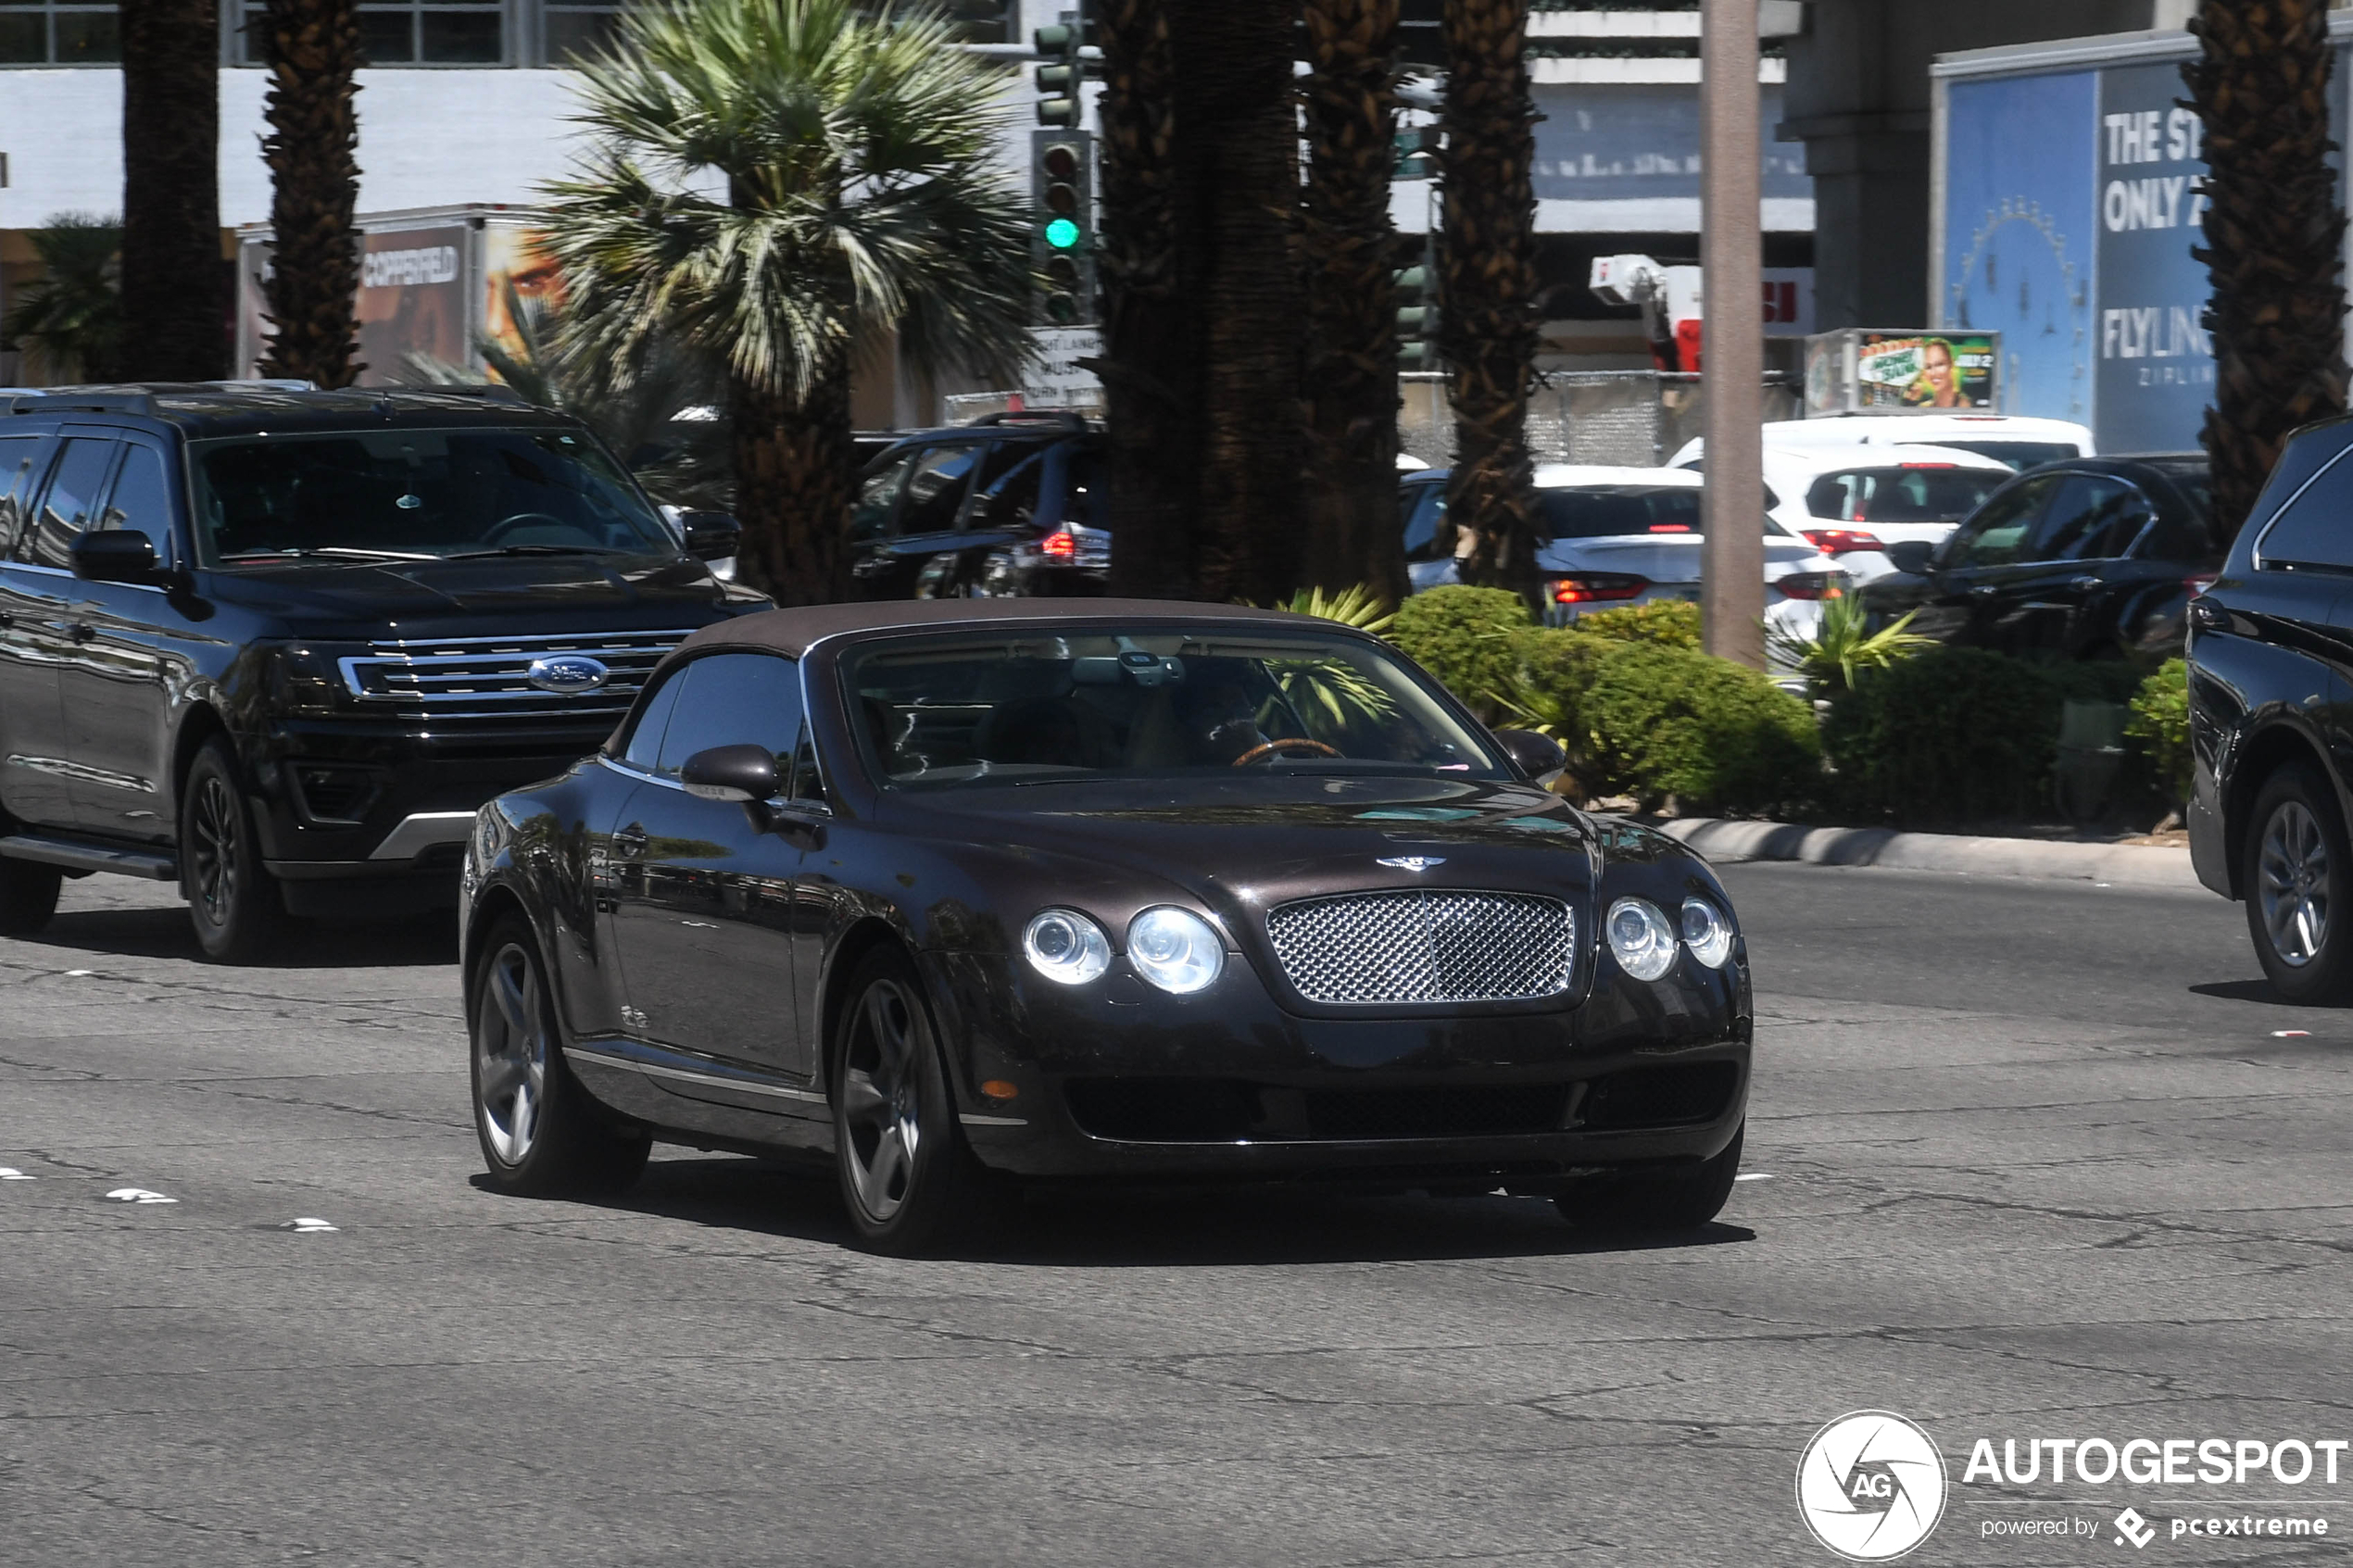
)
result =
(67, 323)
(855, 152)
(1348, 245)
(175, 288)
(313, 290)
(2274, 235)
(1487, 284)
(1150, 400)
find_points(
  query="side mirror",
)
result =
(1911, 554)
(710, 535)
(115, 555)
(744, 773)
(1538, 756)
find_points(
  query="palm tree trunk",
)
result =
(175, 283)
(311, 150)
(1151, 398)
(2274, 235)
(1487, 285)
(1239, 120)
(793, 460)
(1349, 247)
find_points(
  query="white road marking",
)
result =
(74, 973)
(307, 1225)
(2291, 1034)
(1754, 1177)
(10, 1173)
(139, 1194)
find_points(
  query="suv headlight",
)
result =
(1176, 949)
(1065, 947)
(1640, 938)
(1708, 931)
(304, 677)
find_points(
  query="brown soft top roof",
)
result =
(791, 630)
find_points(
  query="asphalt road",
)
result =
(2038, 1164)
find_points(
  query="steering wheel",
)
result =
(1265, 748)
(506, 525)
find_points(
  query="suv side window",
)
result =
(141, 502)
(869, 514)
(2312, 531)
(1429, 503)
(1087, 485)
(72, 496)
(19, 454)
(1996, 533)
(2094, 517)
(730, 699)
(936, 489)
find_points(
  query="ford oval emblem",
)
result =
(571, 673)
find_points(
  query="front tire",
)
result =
(908, 1177)
(27, 895)
(233, 900)
(541, 1133)
(2298, 878)
(1655, 1201)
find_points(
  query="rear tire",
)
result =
(233, 902)
(908, 1177)
(2298, 879)
(1655, 1201)
(27, 895)
(542, 1134)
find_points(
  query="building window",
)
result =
(570, 31)
(992, 21)
(60, 32)
(408, 33)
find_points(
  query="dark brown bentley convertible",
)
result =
(960, 893)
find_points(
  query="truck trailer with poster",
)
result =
(2065, 212)
(1859, 370)
(433, 286)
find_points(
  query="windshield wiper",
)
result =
(346, 552)
(533, 550)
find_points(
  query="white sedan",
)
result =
(2022, 441)
(1607, 537)
(1853, 501)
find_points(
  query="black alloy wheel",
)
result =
(27, 895)
(542, 1136)
(1655, 1201)
(2296, 880)
(908, 1177)
(233, 899)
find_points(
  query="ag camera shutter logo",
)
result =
(1870, 1486)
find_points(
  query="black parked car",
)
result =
(2084, 558)
(1013, 504)
(946, 892)
(2271, 656)
(278, 646)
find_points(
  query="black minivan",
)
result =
(2270, 672)
(277, 646)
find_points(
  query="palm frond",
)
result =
(1843, 645)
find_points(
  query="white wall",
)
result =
(427, 138)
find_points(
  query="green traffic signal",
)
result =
(1061, 233)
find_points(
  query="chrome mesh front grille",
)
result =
(488, 677)
(1434, 946)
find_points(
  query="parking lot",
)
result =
(2025, 1158)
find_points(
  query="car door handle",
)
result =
(2083, 584)
(1984, 590)
(630, 840)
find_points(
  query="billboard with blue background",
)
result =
(2069, 214)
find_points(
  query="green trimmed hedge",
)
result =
(1465, 636)
(1950, 734)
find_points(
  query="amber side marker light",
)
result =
(998, 1088)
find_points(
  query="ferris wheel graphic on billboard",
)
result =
(2017, 277)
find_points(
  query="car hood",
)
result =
(1253, 842)
(361, 599)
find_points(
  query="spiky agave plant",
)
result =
(1318, 689)
(1843, 646)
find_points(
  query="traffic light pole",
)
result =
(1732, 335)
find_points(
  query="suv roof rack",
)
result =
(489, 392)
(81, 400)
(1058, 418)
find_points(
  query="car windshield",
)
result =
(1908, 493)
(2019, 455)
(416, 494)
(1617, 511)
(949, 711)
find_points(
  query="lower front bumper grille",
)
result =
(1679, 1095)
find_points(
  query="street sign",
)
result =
(1057, 380)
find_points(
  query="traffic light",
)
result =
(1417, 287)
(1062, 169)
(1064, 62)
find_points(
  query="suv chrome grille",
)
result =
(488, 677)
(1434, 946)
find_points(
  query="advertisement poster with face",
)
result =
(1939, 370)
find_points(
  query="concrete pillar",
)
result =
(1732, 352)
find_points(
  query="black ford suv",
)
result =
(277, 646)
(1011, 506)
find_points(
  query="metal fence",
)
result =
(1633, 417)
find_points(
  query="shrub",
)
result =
(1946, 735)
(1465, 637)
(1668, 622)
(2160, 722)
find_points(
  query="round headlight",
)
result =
(1708, 931)
(1175, 949)
(1640, 938)
(1065, 947)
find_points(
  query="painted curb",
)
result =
(2127, 865)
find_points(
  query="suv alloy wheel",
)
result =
(2298, 883)
(233, 900)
